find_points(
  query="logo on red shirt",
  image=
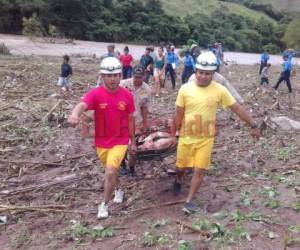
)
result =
(122, 105)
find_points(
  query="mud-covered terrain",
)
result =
(52, 182)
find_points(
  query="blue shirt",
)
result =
(287, 66)
(188, 61)
(170, 57)
(264, 58)
(66, 70)
(289, 54)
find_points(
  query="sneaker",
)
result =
(102, 211)
(64, 89)
(190, 208)
(119, 195)
(124, 171)
(176, 188)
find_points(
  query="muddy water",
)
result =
(23, 46)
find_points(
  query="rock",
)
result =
(286, 123)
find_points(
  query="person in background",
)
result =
(217, 49)
(195, 52)
(170, 65)
(126, 60)
(290, 53)
(265, 75)
(189, 67)
(264, 58)
(147, 63)
(285, 74)
(142, 96)
(66, 73)
(159, 64)
(110, 52)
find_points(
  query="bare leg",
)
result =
(111, 182)
(157, 82)
(195, 184)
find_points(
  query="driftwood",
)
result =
(58, 181)
(51, 111)
(41, 208)
(32, 162)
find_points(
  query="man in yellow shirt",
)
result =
(196, 108)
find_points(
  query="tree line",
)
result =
(140, 21)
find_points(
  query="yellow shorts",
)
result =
(195, 155)
(112, 157)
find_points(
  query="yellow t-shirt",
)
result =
(200, 107)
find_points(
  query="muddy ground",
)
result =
(51, 181)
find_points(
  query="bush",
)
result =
(271, 48)
(4, 50)
(32, 26)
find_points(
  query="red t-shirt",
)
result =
(111, 115)
(126, 60)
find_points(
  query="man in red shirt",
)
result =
(114, 125)
(126, 60)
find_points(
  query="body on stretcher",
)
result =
(155, 144)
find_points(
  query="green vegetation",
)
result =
(241, 25)
(292, 34)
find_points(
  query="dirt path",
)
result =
(249, 199)
(21, 45)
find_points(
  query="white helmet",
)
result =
(206, 61)
(110, 65)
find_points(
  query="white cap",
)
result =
(110, 65)
(206, 61)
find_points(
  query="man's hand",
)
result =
(255, 132)
(73, 120)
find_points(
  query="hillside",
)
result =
(289, 5)
(183, 7)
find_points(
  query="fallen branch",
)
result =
(44, 209)
(74, 157)
(58, 181)
(195, 230)
(32, 162)
(11, 140)
(51, 111)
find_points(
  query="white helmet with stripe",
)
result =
(206, 61)
(110, 65)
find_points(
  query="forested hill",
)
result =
(242, 25)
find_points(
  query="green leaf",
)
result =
(296, 206)
(271, 203)
(201, 225)
(238, 216)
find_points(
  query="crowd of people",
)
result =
(121, 106)
(121, 102)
